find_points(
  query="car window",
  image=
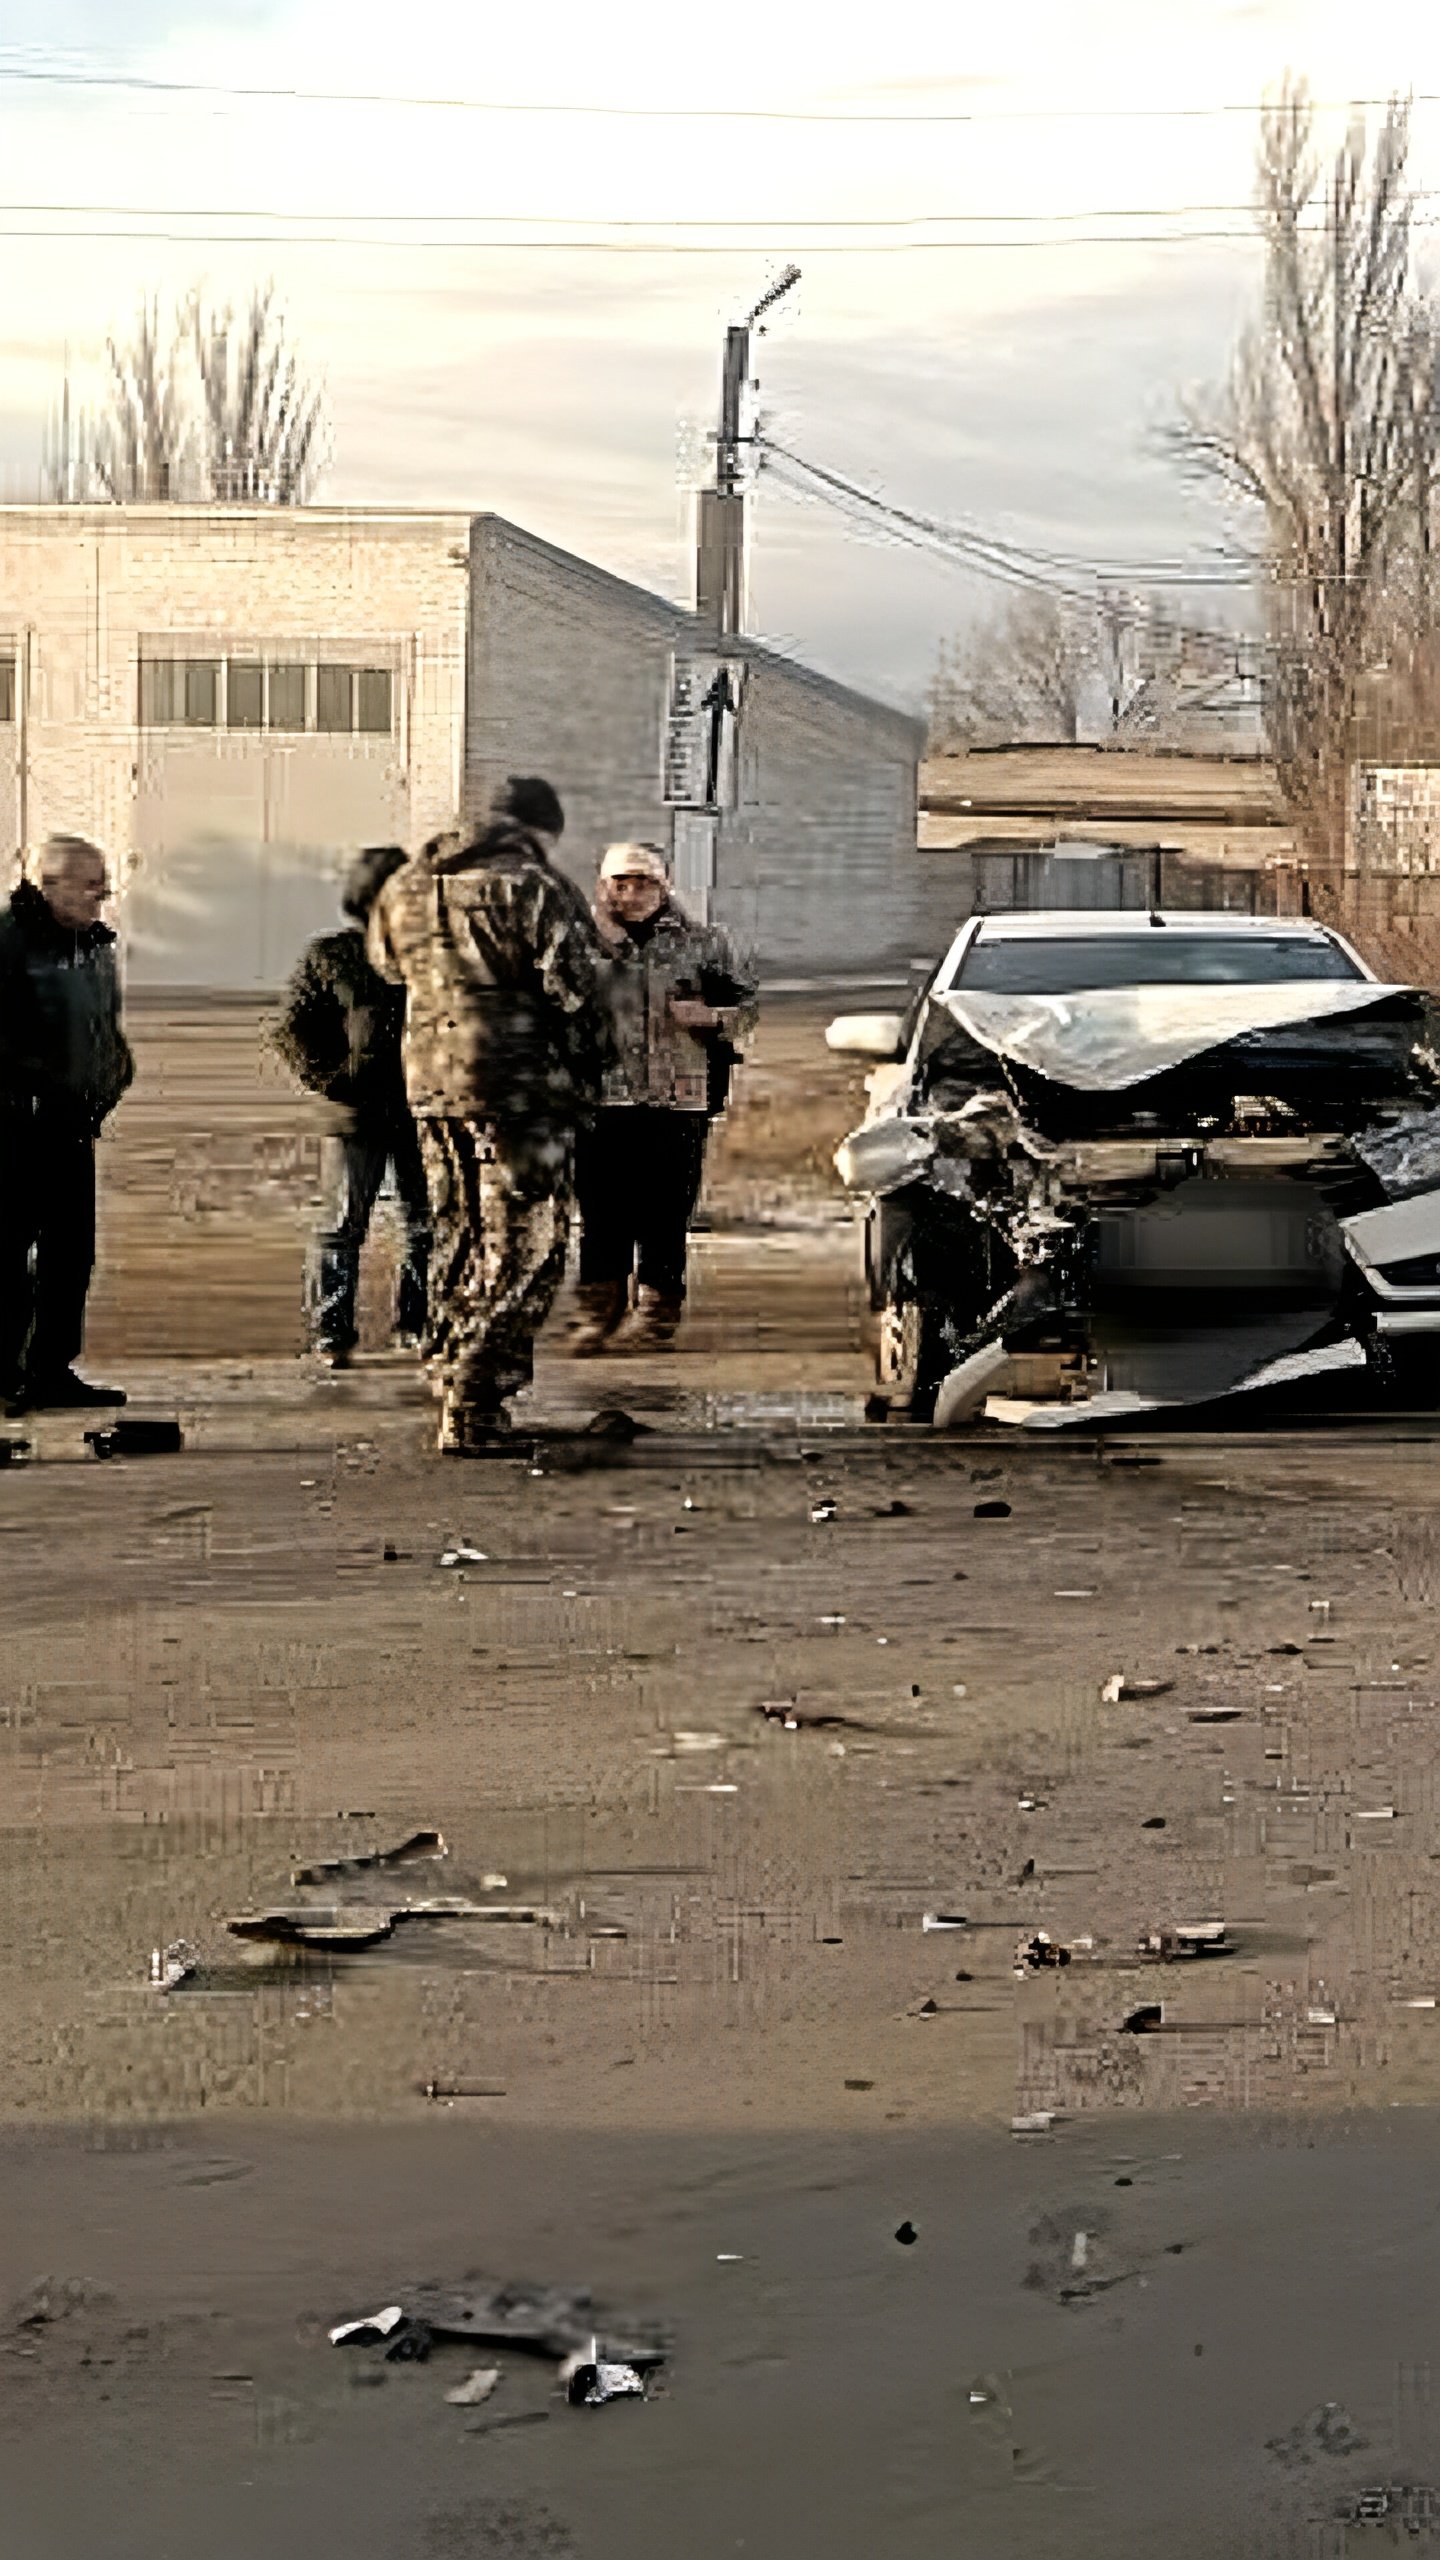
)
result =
(1060, 965)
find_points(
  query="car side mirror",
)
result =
(868, 1035)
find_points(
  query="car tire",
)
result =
(1406, 1372)
(910, 1356)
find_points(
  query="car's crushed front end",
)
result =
(1163, 1189)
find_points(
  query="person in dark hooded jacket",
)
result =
(341, 1033)
(64, 1063)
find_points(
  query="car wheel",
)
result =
(1407, 1372)
(910, 1357)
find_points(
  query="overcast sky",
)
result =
(568, 386)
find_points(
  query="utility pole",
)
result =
(720, 540)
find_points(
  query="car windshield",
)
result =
(1062, 965)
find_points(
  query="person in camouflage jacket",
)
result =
(507, 1043)
(340, 1034)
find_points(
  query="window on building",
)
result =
(158, 690)
(7, 692)
(287, 693)
(179, 693)
(290, 695)
(334, 688)
(244, 694)
(372, 701)
(200, 695)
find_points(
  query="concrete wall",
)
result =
(569, 669)
(228, 842)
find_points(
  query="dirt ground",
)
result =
(733, 2059)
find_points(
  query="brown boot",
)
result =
(599, 1308)
(656, 1322)
(471, 1430)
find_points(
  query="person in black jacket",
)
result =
(64, 1063)
(341, 1032)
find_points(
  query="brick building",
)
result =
(233, 699)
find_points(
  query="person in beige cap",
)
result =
(679, 996)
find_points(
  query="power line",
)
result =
(1005, 563)
(662, 244)
(1030, 557)
(56, 76)
(650, 222)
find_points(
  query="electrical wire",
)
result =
(36, 74)
(662, 245)
(1006, 564)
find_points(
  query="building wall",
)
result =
(228, 842)
(569, 672)
(508, 656)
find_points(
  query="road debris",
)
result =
(590, 2381)
(992, 1510)
(797, 1719)
(419, 1844)
(1144, 2020)
(476, 2387)
(1328, 2429)
(1121, 1690)
(907, 2235)
(1195, 1938)
(172, 1965)
(370, 2329)
(353, 1925)
(1039, 2122)
(541, 2319)
(1215, 1715)
(454, 1556)
(944, 1920)
(823, 1511)
(136, 1439)
(612, 1422)
(1040, 1953)
(1415, 2507)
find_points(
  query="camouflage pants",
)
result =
(500, 1202)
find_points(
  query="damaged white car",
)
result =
(1149, 1158)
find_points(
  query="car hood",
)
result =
(1104, 1040)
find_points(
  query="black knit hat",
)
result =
(367, 876)
(531, 803)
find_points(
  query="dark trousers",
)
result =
(638, 1177)
(354, 1171)
(47, 1244)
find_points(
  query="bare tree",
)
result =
(1327, 433)
(263, 421)
(1020, 677)
(67, 474)
(1054, 670)
(143, 446)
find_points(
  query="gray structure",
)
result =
(232, 699)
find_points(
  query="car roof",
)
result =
(1076, 924)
